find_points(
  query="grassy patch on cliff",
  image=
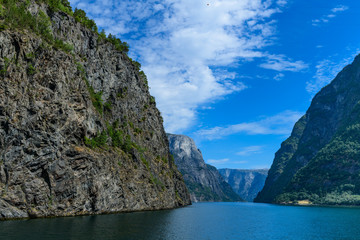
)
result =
(341, 196)
(96, 97)
(58, 5)
(119, 45)
(14, 15)
(97, 141)
(66, 47)
(6, 65)
(141, 73)
(113, 136)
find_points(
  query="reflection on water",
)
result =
(200, 221)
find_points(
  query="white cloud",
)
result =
(340, 8)
(220, 161)
(279, 76)
(282, 63)
(265, 167)
(327, 17)
(240, 162)
(262, 77)
(281, 2)
(280, 124)
(183, 45)
(246, 151)
(326, 71)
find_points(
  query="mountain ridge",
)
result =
(317, 163)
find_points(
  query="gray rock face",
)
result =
(246, 183)
(45, 167)
(204, 181)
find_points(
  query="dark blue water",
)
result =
(200, 221)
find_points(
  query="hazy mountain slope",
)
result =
(247, 183)
(204, 181)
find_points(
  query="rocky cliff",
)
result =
(204, 181)
(319, 162)
(247, 183)
(79, 132)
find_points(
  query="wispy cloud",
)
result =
(340, 8)
(281, 2)
(326, 71)
(246, 151)
(240, 162)
(279, 76)
(185, 45)
(280, 124)
(219, 161)
(332, 14)
(282, 63)
(225, 161)
(265, 167)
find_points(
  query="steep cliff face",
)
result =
(245, 182)
(204, 181)
(319, 162)
(79, 133)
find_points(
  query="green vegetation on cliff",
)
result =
(332, 176)
(14, 14)
(322, 166)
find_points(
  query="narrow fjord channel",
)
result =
(200, 221)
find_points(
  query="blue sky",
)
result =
(235, 75)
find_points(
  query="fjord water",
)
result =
(200, 221)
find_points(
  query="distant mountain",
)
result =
(320, 162)
(204, 181)
(246, 183)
